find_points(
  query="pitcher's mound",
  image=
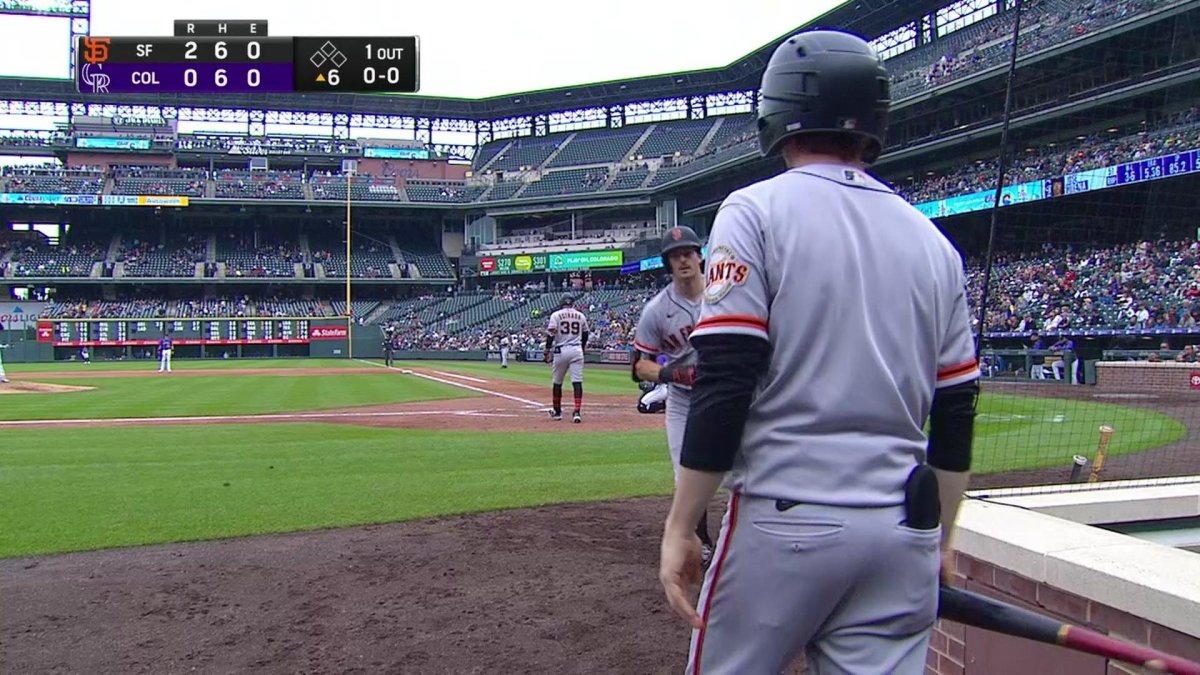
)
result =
(37, 388)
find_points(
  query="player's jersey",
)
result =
(664, 326)
(863, 302)
(568, 326)
(164, 344)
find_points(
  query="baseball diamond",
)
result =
(338, 381)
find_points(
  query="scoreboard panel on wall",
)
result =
(147, 332)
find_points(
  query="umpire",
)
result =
(389, 345)
(834, 323)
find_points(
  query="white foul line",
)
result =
(246, 418)
(459, 377)
(460, 385)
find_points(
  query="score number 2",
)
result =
(253, 50)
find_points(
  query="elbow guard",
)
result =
(952, 427)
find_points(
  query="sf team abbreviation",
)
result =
(214, 65)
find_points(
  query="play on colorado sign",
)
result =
(581, 260)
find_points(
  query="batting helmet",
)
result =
(678, 237)
(823, 81)
(568, 300)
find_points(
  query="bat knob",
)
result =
(1155, 665)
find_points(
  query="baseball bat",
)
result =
(974, 609)
(1106, 433)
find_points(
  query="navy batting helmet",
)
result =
(676, 238)
(824, 81)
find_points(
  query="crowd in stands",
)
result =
(271, 184)
(1143, 285)
(144, 258)
(1177, 133)
(1045, 24)
(245, 256)
(153, 180)
(260, 145)
(149, 308)
(31, 259)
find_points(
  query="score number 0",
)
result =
(253, 51)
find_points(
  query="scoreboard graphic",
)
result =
(215, 57)
(146, 332)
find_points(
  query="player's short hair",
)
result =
(845, 147)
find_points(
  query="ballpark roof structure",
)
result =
(869, 18)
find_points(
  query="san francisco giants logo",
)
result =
(95, 50)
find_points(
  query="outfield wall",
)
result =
(1046, 553)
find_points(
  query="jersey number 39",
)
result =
(569, 327)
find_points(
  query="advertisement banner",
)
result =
(537, 263)
(144, 200)
(46, 199)
(45, 331)
(615, 356)
(105, 143)
(328, 333)
(177, 343)
(20, 315)
(397, 153)
(531, 263)
(581, 260)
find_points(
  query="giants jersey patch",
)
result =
(567, 325)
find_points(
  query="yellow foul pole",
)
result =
(349, 311)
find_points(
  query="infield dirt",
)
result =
(38, 388)
(559, 589)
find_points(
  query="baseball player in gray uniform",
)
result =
(834, 324)
(566, 337)
(662, 330)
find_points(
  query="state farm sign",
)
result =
(327, 333)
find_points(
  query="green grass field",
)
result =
(70, 489)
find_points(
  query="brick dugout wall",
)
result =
(1161, 377)
(957, 650)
